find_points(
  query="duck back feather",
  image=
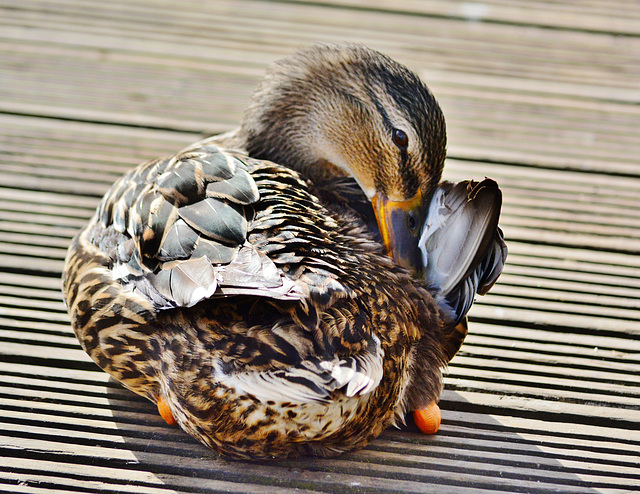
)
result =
(277, 328)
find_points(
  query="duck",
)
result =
(281, 289)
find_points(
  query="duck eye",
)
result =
(400, 138)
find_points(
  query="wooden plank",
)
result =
(594, 186)
(561, 306)
(30, 234)
(94, 141)
(94, 478)
(582, 260)
(28, 282)
(435, 453)
(474, 441)
(63, 374)
(106, 19)
(44, 353)
(34, 251)
(78, 412)
(27, 323)
(92, 451)
(591, 282)
(143, 428)
(92, 434)
(620, 19)
(12, 218)
(27, 293)
(600, 304)
(24, 487)
(529, 367)
(560, 321)
(458, 106)
(550, 410)
(542, 96)
(548, 441)
(56, 341)
(569, 343)
(392, 477)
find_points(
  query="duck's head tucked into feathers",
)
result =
(334, 110)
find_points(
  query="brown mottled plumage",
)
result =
(255, 298)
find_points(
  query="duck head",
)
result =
(346, 110)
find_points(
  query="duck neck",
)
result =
(296, 118)
(292, 136)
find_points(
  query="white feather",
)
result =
(361, 374)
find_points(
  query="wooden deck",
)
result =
(543, 96)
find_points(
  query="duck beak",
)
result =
(400, 223)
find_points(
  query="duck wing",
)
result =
(210, 222)
(462, 246)
(179, 230)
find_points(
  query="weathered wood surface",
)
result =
(543, 96)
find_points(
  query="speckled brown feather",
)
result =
(170, 352)
(326, 112)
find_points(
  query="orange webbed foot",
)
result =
(428, 420)
(165, 411)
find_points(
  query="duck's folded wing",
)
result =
(463, 248)
(178, 229)
(480, 280)
(313, 379)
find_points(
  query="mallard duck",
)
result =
(268, 305)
